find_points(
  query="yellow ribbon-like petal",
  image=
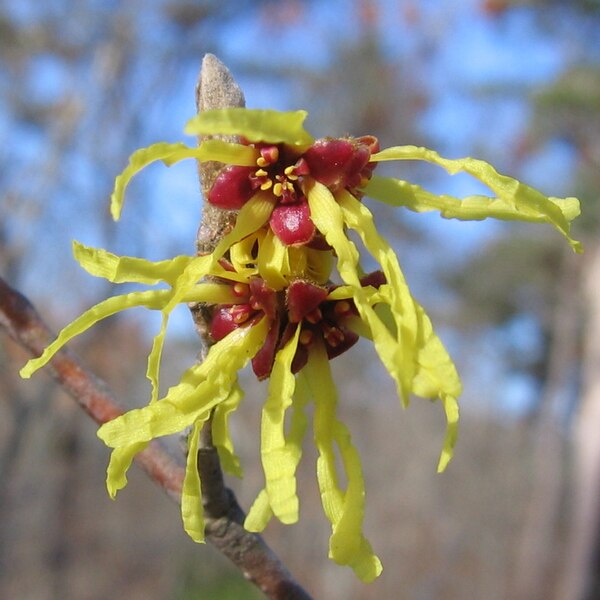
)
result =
(120, 269)
(279, 463)
(260, 512)
(235, 154)
(255, 125)
(272, 262)
(221, 436)
(327, 216)
(201, 388)
(118, 465)
(154, 299)
(192, 511)
(515, 200)
(345, 510)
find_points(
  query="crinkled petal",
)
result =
(278, 463)
(153, 366)
(221, 435)
(154, 299)
(272, 261)
(348, 545)
(253, 215)
(172, 153)
(402, 305)
(515, 200)
(229, 153)
(119, 269)
(260, 513)
(192, 511)
(201, 388)
(118, 465)
(452, 413)
(269, 126)
(345, 510)
(137, 161)
(328, 217)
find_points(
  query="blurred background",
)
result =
(515, 82)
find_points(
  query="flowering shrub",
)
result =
(269, 290)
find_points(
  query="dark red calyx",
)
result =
(262, 363)
(303, 299)
(232, 188)
(223, 322)
(375, 279)
(262, 297)
(268, 155)
(292, 224)
(341, 163)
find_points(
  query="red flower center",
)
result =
(337, 163)
(304, 304)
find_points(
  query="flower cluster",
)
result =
(269, 288)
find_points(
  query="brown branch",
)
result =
(224, 517)
(25, 326)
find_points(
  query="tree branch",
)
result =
(224, 517)
(217, 89)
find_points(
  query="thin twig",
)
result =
(224, 517)
(24, 325)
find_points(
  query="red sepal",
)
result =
(232, 188)
(303, 298)
(292, 224)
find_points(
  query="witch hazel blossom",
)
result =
(337, 163)
(285, 291)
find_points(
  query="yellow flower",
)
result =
(274, 304)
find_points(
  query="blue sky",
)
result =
(460, 53)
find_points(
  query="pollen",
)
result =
(240, 289)
(342, 308)
(306, 337)
(314, 316)
(333, 336)
(240, 314)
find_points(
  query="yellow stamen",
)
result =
(341, 308)
(240, 289)
(261, 173)
(289, 170)
(278, 189)
(334, 336)
(240, 316)
(261, 162)
(306, 337)
(314, 316)
(266, 185)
